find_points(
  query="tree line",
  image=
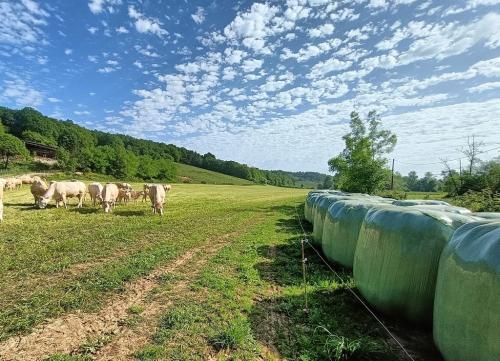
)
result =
(119, 155)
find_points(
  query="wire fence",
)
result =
(304, 241)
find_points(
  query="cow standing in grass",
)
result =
(38, 188)
(157, 197)
(61, 191)
(109, 197)
(95, 192)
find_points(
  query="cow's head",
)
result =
(106, 205)
(43, 202)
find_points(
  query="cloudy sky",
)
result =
(269, 84)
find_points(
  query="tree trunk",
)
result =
(6, 161)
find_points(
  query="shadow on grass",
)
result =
(129, 213)
(336, 326)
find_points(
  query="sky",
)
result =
(270, 84)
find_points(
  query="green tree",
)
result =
(361, 165)
(11, 146)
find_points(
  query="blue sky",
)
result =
(269, 84)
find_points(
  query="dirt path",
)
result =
(65, 334)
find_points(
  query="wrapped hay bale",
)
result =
(419, 202)
(321, 209)
(488, 215)
(467, 304)
(341, 229)
(308, 206)
(396, 259)
(442, 208)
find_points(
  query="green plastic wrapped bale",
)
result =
(397, 255)
(488, 215)
(341, 229)
(441, 208)
(308, 206)
(321, 209)
(420, 202)
(467, 304)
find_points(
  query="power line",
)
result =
(354, 294)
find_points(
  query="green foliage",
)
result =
(479, 201)
(38, 138)
(360, 167)
(428, 183)
(11, 146)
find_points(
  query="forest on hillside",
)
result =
(122, 156)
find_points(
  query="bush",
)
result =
(483, 201)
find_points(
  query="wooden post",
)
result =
(392, 175)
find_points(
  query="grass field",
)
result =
(218, 277)
(199, 175)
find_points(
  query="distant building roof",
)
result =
(41, 149)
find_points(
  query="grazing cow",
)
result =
(109, 197)
(157, 197)
(13, 183)
(167, 187)
(145, 189)
(2, 184)
(122, 185)
(95, 192)
(124, 195)
(38, 188)
(135, 195)
(60, 191)
(26, 179)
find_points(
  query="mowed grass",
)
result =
(245, 302)
(56, 260)
(199, 175)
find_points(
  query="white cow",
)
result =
(95, 191)
(167, 187)
(2, 184)
(12, 183)
(157, 197)
(38, 188)
(60, 191)
(109, 196)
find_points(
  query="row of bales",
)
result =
(425, 261)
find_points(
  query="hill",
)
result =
(117, 155)
(200, 175)
(307, 179)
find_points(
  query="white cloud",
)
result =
(144, 24)
(485, 87)
(321, 31)
(98, 6)
(122, 30)
(68, 51)
(251, 65)
(81, 112)
(92, 30)
(138, 64)
(252, 27)
(199, 16)
(22, 23)
(20, 92)
(54, 100)
(325, 67)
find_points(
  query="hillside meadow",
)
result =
(219, 276)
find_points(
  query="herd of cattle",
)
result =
(106, 195)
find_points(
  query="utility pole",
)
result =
(392, 175)
(460, 165)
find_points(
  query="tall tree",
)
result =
(361, 165)
(11, 146)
